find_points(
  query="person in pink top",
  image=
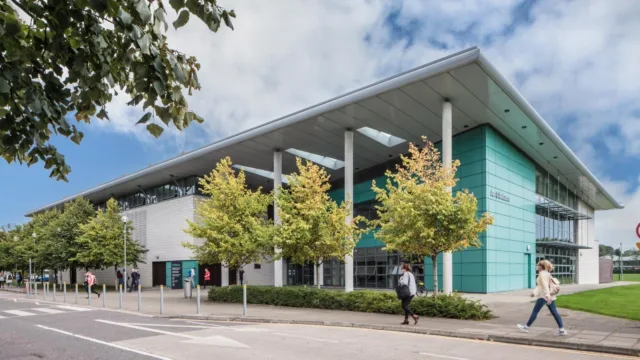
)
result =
(89, 283)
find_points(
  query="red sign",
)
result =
(638, 230)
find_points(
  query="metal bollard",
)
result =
(161, 299)
(64, 290)
(76, 293)
(54, 293)
(89, 294)
(104, 295)
(120, 303)
(139, 298)
(35, 285)
(198, 300)
(45, 288)
(244, 300)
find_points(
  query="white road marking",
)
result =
(1, 317)
(48, 310)
(443, 356)
(105, 343)
(174, 326)
(203, 323)
(146, 329)
(19, 312)
(307, 338)
(216, 340)
(73, 308)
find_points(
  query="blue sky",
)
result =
(575, 61)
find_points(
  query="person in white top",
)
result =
(543, 293)
(409, 280)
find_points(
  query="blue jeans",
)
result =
(552, 307)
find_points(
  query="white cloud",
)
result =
(615, 227)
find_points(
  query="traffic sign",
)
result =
(638, 245)
(638, 230)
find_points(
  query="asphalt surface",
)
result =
(39, 330)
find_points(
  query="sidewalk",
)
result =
(587, 332)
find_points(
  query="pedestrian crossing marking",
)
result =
(19, 312)
(48, 310)
(72, 308)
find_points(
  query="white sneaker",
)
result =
(524, 328)
(562, 332)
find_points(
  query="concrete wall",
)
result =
(262, 276)
(588, 267)
(160, 227)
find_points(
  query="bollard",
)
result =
(35, 285)
(198, 300)
(64, 290)
(88, 287)
(45, 288)
(139, 298)
(76, 293)
(161, 299)
(120, 303)
(244, 300)
(54, 293)
(104, 295)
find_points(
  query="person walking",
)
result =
(135, 278)
(19, 279)
(207, 277)
(192, 277)
(1, 279)
(407, 289)
(89, 281)
(543, 293)
(120, 280)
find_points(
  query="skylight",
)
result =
(325, 161)
(260, 172)
(381, 137)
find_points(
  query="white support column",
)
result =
(277, 182)
(447, 140)
(348, 197)
(224, 275)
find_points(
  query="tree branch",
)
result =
(21, 7)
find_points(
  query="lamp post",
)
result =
(56, 272)
(34, 243)
(124, 221)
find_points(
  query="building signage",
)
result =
(176, 274)
(499, 195)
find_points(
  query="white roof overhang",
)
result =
(405, 106)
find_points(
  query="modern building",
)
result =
(543, 198)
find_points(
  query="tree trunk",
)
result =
(434, 263)
(318, 275)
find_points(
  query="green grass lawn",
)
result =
(626, 277)
(621, 301)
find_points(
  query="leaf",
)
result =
(182, 19)
(143, 11)
(161, 18)
(124, 17)
(99, 5)
(155, 130)
(3, 112)
(144, 43)
(144, 118)
(178, 73)
(227, 20)
(160, 88)
(4, 85)
(177, 4)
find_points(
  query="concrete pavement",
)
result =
(586, 331)
(90, 333)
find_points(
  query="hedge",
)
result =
(447, 306)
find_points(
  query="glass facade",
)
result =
(564, 262)
(548, 186)
(174, 189)
(554, 227)
(299, 274)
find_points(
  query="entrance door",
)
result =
(527, 261)
(159, 273)
(216, 274)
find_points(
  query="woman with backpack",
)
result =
(406, 290)
(546, 290)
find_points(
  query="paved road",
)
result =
(38, 330)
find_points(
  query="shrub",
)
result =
(448, 306)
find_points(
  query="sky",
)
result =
(577, 62)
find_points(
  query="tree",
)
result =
(616, 252)
(65, 249)
(605, 250)
(313, 225)
(44, 249)
(71, 56)
(101, 245)
(418, 214)
(232, 222)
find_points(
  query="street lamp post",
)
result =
(34, 243)
(125, 220)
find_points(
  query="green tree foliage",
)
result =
(314, 227)
(71, 56)
(64, 249)
(101, 243)
(45, 242)
(606, 250)
(418, 213)
(232, 222)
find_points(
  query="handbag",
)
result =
(403, 291)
